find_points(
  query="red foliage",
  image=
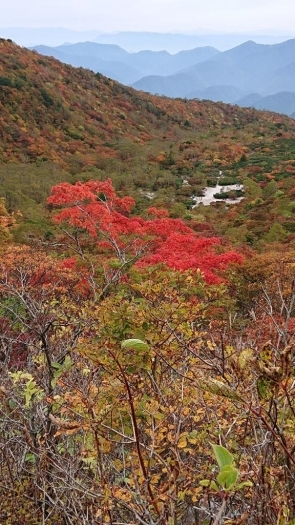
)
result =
(42, 276)
(186, 251)
(157, 213)
(95, 207)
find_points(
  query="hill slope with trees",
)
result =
(50, 111)
(146, 345)
(60, 123)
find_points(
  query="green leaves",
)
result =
(265, 387)
(218, 388)
(28, 387)
(134, 344)
(228, 473)
(223, 457)
(59, 369)
(209, 483)
(135, 354)
(227, 477)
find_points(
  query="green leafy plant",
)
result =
(226, 480)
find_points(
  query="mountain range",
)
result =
(175, 42)
(116, 63)
(245, 75)
(134, 41)
(250, 74)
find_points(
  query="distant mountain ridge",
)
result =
(113, 61)
(134, 41)
(175, 42)
(282, 102)
(246, 69)
(52, 36)
(112, 65)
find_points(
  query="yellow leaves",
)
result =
(245, 358)
(118, 464)
(19, 376)
(30, 389)
(197, 491)
(122, 494)
(155, 479)
(199, 414)
(2, 390)
(193, 437)
(182, 442)
(152, 408)
(211, 346)
(187, 438)
(290, 427)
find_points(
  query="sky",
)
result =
(277, 16)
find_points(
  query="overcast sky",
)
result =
(152, 15)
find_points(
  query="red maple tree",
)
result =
(94, 207)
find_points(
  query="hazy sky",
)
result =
(152, 15)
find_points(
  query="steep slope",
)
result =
(51, 111)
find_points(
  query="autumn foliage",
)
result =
(131, 340)
(95, 207)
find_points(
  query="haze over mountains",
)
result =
(137, 41)
(54, 112)
(249, 70)
(175, 42)
(251, 74)
(116, 63)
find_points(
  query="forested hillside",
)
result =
(51, 111)
(146, 345)
(58, 122)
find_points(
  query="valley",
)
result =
(146, 334)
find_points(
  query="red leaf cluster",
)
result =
(95, 207)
